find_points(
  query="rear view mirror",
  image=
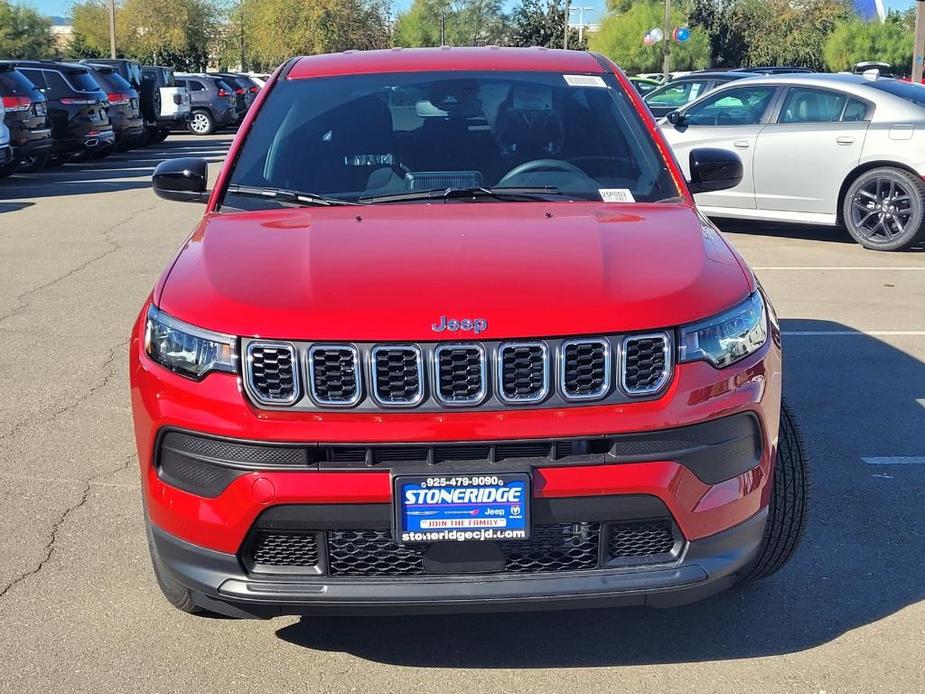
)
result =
(183, 179)
(675, 118)
(714, 169)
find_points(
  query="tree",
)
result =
(854, 41)
(728, 47)
(90, 33)
(278, 29)
(621, 34)
(542, 23)
(462, 23)
(24, 33)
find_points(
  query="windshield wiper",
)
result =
(498, 193)
(284, 195)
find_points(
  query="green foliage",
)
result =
(24, 33)
(466, 23)
(541, 23)
(275, 30)
(854, 41)
(621, 37)
(90, 37)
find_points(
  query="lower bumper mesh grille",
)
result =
(550, 548)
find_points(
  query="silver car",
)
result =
(820, 149)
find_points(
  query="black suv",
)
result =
(148, 96)
(77, 107)
(26, 117)
(124, 107)
(241, 86)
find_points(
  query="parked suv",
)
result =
(452, 335)
(244, 97)
(173, 100)
(124, 107)
(77, 108)
(212, 102)
(27, 120)
(130, 71)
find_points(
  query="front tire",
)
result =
(202, 123)
(787, 509)
(33, 163)
(884, 209)
(176, 594)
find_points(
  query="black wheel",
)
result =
(176, 594)
(201, 122)
(884, 209)
(161, 135)
(9, 168)
(32, 164)
(787, 510)
(56, 160)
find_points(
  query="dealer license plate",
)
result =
(462, 508)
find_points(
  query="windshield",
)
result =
(676, 93)
(360, 137)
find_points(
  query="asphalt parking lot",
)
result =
(79, 609)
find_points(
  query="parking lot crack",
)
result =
(110, 369)
(21, 301)
(49, 549)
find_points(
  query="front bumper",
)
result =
(219, 583)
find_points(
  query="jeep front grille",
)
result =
(273, 373)
(398, 375)
(646, 363)
(523, 372)
(333, 374)
(586, 369)
(460, 375)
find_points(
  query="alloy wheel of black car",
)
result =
(788, 505)
(884, 208)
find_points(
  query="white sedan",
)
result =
(820, 149)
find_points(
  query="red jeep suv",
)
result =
(452, 335)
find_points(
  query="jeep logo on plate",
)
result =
(475, 325)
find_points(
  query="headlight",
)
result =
(728, 337)
(186, 349)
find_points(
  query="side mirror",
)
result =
(675, 118)
(714, 169)
(183, 179)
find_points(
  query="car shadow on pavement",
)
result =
(861, 560)
(119, 171)
(14, 206)
(783, 230)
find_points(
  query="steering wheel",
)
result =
(541, 165)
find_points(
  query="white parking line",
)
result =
(896, 460)
(858, 333)
(817, 268)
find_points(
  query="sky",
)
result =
(61, 8)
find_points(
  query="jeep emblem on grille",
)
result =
(475, 325)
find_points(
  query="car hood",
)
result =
(390, 272)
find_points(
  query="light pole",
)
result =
(568, 11)
(581, 21)
(666, 64)
(112, 29)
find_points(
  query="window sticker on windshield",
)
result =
(585, 81)
(532, 98)
(695, 90)
(616, 195)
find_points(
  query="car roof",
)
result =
(444, 58)
(844, 80)
(715, 74)
(48, 64)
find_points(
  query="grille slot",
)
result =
(460, 374)
(571, 547)
(371, 553)
(523, 372)
(284, 553)
(272, 372)
(646, 542)
(646, 363)
(398, 376)
(585, 369)
(334, 377)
